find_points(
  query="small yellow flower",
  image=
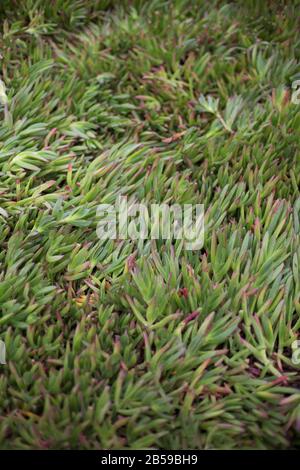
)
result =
(80, 300)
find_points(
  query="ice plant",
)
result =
(129, 344)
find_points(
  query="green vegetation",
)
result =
(125, 345)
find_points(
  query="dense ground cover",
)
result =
(130, 345)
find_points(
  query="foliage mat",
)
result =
(122, 344)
